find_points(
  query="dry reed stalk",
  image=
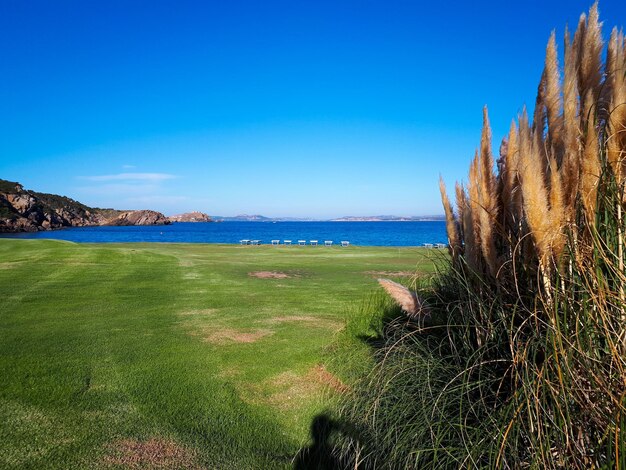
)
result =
(588, 42)
(616, 139)
(511, 194)
(454, 241)
(577, 46)
(540, 118)
(554, 119)
(472, 209)
(487, 196)
(534, 192)
(471, 252)
(557, 211)
(486, 156)
(606, 95)
(461, 202)
(590, 165)
(408, 300)
(571, 129)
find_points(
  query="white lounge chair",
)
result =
(287, 242)
(441, 245)
(313, 242)
(256, 242)
(301, 242)
(428, 245)
(345, 243)
(275, 242)
(328, 242)
(244, 242)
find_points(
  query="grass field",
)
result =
(122, 355)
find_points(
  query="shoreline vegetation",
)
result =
(521, 362)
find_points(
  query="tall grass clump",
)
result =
(523, 364)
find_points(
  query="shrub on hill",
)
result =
(8, 186)
(55, 201)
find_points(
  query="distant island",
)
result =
(261, 218)
(390, 218)
(373, 218)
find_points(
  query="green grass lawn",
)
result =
(114, 354)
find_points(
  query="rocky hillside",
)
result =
(190, 217)
(22, 210)
(138, 218)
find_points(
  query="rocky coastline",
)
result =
(24, 210)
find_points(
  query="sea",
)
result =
(357, 233)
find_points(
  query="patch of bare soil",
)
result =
(292, 389)
(151, 454)
(231, 335)
(320, 374)
(391, 273)
(269, 275)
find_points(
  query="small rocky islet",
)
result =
(194, 216)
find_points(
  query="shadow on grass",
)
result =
(320, 454)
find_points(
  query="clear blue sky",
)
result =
(295, 108)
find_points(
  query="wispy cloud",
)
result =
(128, 167)
(145, 177)
(133, 190)
(124, 188)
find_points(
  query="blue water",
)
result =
(357, 233)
